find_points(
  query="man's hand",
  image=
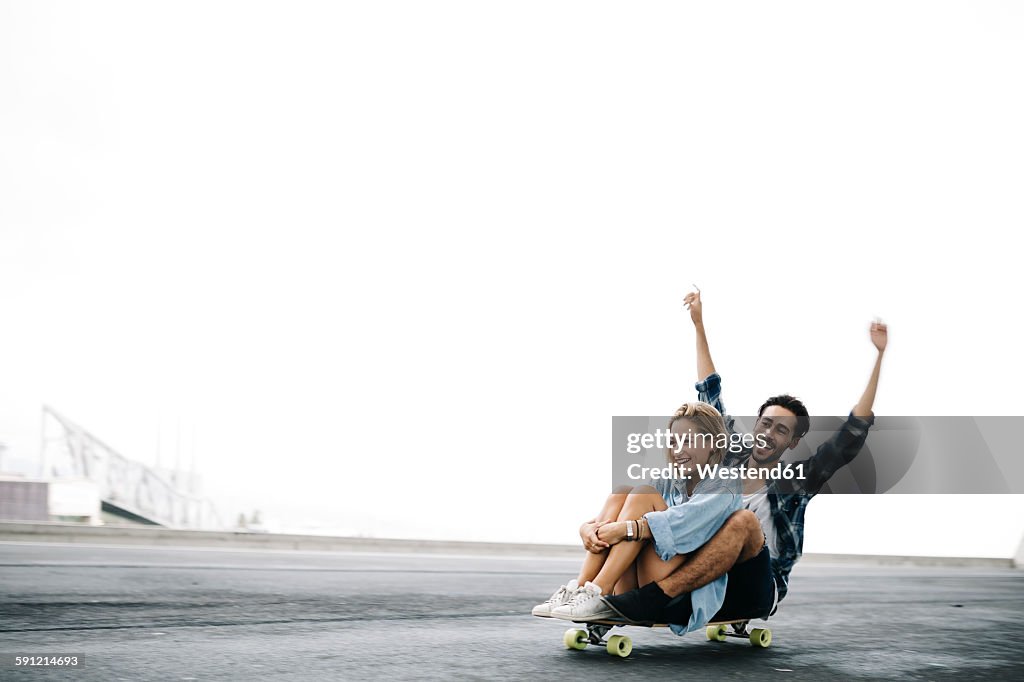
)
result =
(612, 532)
(588, 532)
(879, 335)
(692, 303)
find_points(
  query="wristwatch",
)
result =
(629, 530)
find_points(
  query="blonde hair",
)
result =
(709, 421)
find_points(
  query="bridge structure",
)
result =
(127, 488)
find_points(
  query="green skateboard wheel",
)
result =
(716, 632)
(575, 639)
(761, 637)
(619, 645)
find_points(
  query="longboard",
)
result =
(622, 645)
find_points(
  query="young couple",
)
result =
(689, 552)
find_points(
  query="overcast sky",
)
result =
(395, 265)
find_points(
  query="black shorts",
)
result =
(751, 589)
(750, 593)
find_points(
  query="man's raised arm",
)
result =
(846, 443)
(879, 337)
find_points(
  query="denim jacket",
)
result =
(688, 523)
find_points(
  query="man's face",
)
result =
(777, 427)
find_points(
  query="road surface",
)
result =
(138, 613)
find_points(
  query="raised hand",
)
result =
(692, 303)
(879, 335)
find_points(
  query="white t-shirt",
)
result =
(758, 503)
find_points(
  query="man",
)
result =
(758, 580)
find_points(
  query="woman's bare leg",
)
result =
(592, 563)
(650, 567)
(628, 581)
(620, 558)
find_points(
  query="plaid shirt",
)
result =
(789, 498)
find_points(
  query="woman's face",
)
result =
(690, 446)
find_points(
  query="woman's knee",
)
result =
(641, 500)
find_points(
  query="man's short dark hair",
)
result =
(803, 421)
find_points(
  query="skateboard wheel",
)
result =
(761, 637)
(575, 639)
(619, 645)
(717, 632)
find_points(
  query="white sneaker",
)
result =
(561, 596)
(585, 605)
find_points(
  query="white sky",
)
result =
(398, 264)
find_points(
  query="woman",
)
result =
(663, 522)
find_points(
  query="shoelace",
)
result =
(581, 596)
(558, 597)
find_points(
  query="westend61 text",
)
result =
(779, 472)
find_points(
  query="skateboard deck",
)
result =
(622, 645)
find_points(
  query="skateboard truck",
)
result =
(622, 645)
(759, 637)
(616, 645)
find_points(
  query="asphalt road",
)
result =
(192, 614)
